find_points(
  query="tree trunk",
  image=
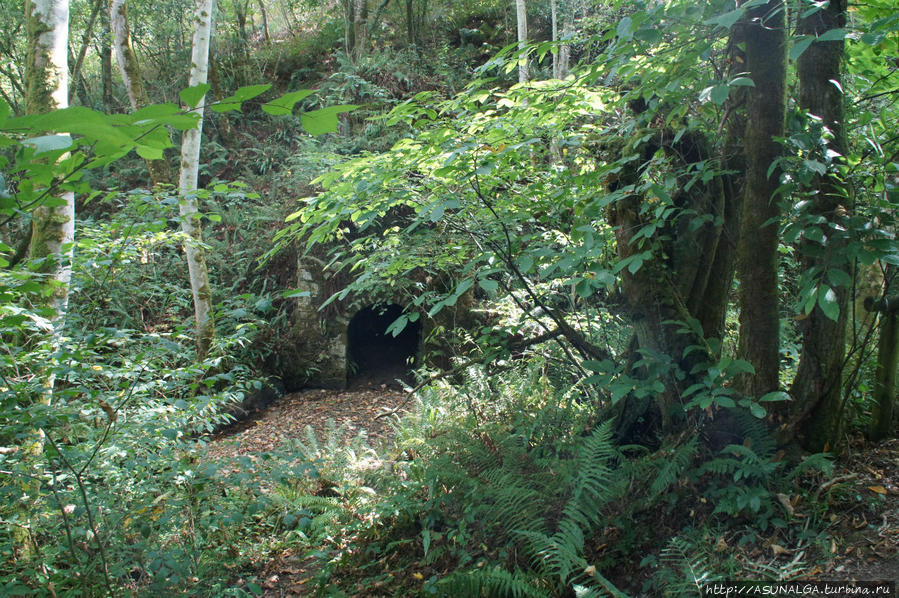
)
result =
(567, 31)
(674, 286)
(818, 384)
(766, 62)
(85, 42)
(882, 424)
(160, 170)
(190, 160)
(264, 21)
(53, 228)
(106, 62)
(554, 18)
(349, 33)
(522, 19)
(360, 28)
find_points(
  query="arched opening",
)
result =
(376, 356)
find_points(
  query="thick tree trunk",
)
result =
(190, 160)
(674, 286)
(160, 170)
(521, 16)
(818, 384)
(766, 61)
(264, 21)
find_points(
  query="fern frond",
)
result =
(673, 466)
(691, 563)
(491, 583)
(820, 461)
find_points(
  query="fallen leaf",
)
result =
(877, 489)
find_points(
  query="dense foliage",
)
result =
(620, 411)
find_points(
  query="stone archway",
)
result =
(375, 356)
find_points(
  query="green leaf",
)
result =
(324, 120)
(757, 410)
(742, 82)
(832, 35)
(815, 166)
(827, 301)
(295, 293)
(777, 395)
(720, 93)
(488, 285)
(192, 95)
(49, 143)
(149, 153)
(284, 104)
(240, 96)
(838, 278)
(624, 28)
(727, 20)
(800, 46)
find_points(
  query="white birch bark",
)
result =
(190, 160)
(522, 18)
(53, 228)
(47, 89)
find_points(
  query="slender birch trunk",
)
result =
(522, 18)
(47, 89)
(160, 170)
(190, 160)
(53, 227)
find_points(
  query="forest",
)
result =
(465, 298)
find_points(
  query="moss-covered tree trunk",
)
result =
(817, 388)
(53, 227)
(766, 62)
(160, 170)
(190, 162)
(675, 286)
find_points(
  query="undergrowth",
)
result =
(506, 487)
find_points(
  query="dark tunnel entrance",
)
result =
(375, 356)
